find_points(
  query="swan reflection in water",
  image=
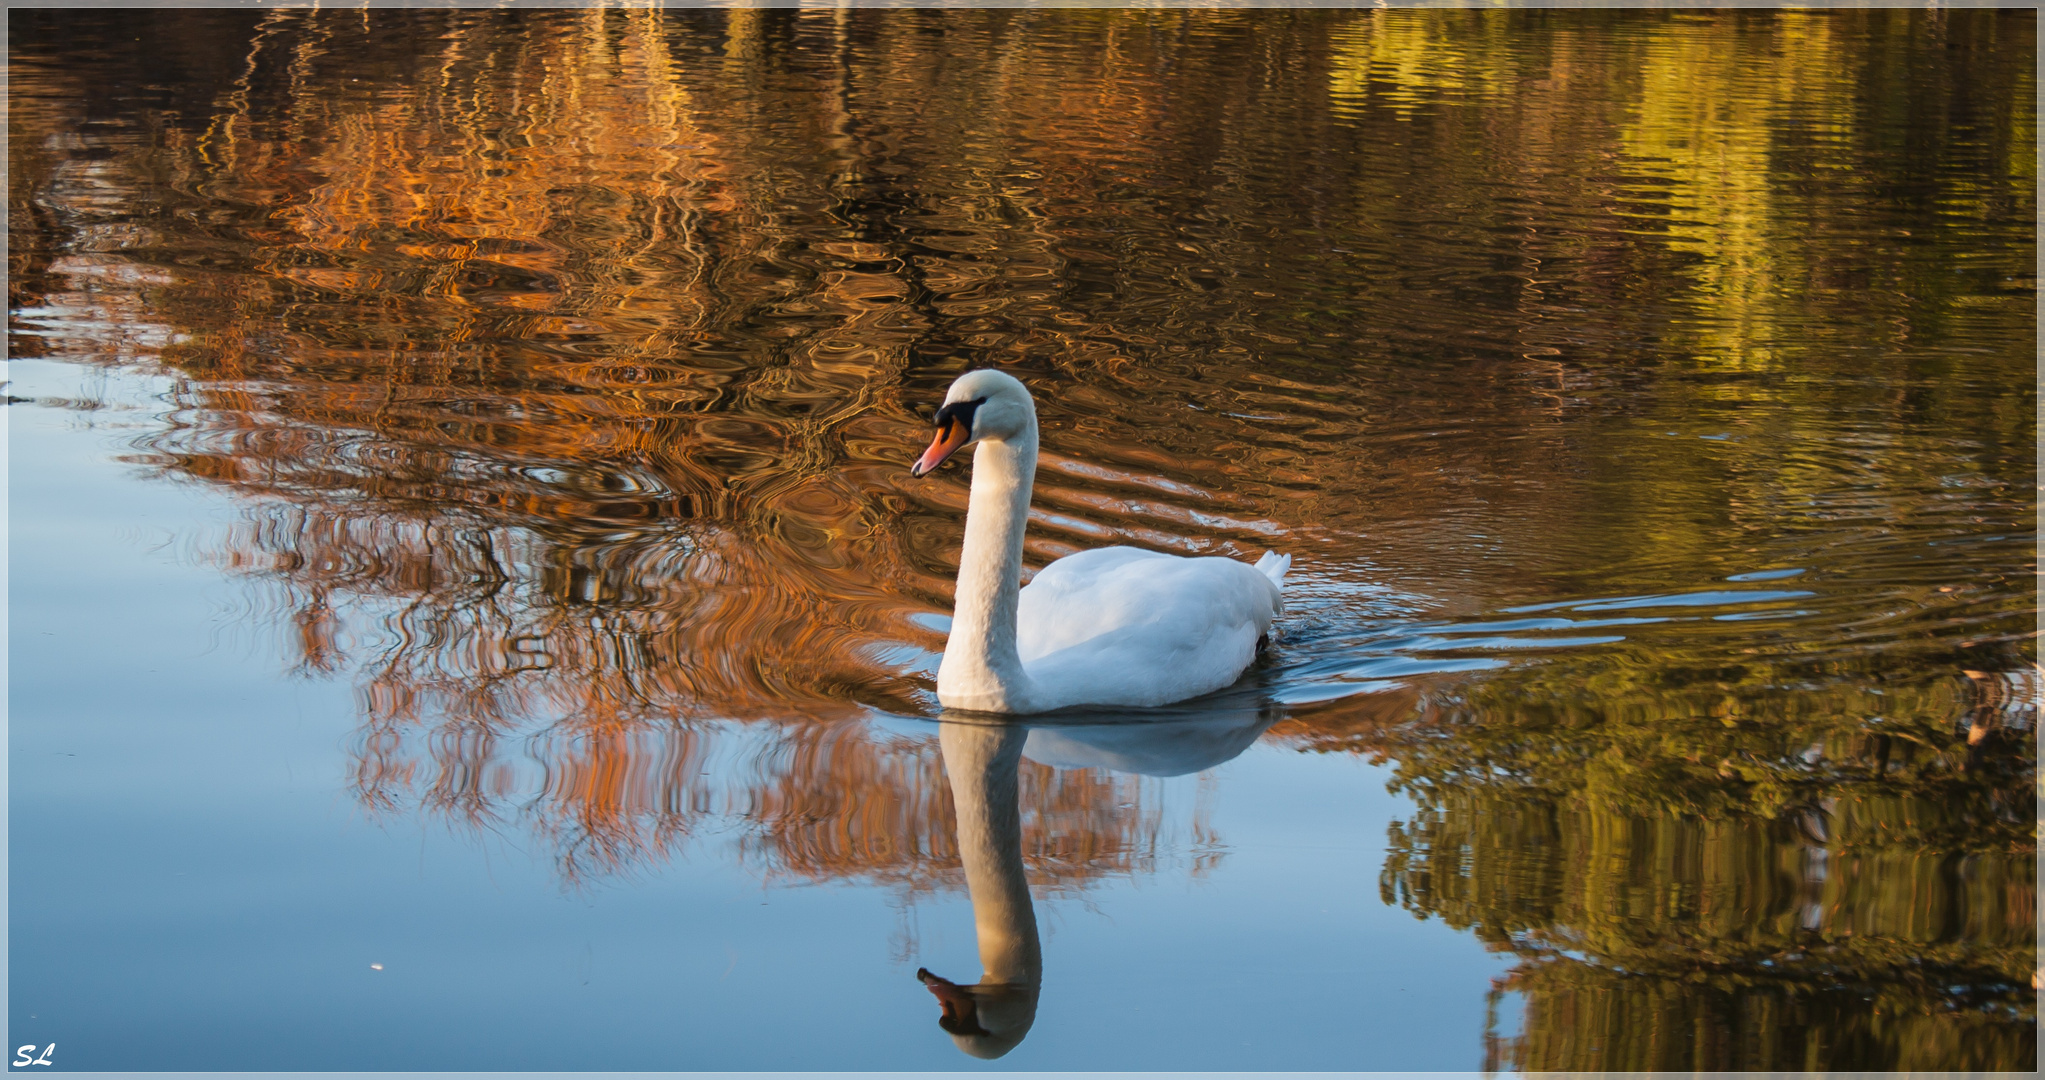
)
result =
(989, 1018)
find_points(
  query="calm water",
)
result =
(470, 609)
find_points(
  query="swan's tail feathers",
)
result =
(1273, 566)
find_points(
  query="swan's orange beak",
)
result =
(950, 436)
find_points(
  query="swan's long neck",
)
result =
(981, 669)
(982, 763)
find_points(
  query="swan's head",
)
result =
(985, 404)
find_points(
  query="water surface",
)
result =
(471, 610)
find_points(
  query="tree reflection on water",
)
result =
(1700, 884)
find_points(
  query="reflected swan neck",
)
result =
(982, 762)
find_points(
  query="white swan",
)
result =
(1114, 626)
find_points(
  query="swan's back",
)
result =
(1124, 626)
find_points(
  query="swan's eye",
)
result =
(960, 413)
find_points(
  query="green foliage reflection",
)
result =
(1725, 883)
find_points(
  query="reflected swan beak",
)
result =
(961, 1012)
(950, 436)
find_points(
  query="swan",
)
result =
(1112, 626)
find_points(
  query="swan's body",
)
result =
(1114, 626)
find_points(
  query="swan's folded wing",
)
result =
(1125, 626)
(1138, 666)
(1086, 570)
